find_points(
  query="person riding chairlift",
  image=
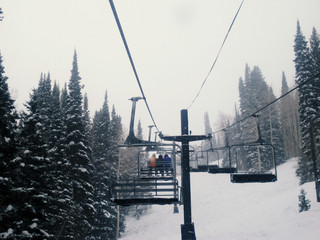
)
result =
(160, 164)
(152, 163)
(167, 163)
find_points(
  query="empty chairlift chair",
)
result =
(215, 167)
(202, 163)
(256, 161)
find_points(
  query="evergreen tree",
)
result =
(208, 130)
(234, 134)
(116, 128)
(207, 127)
(212, 142)
(64, 102)
(304, 204)
(117, 137)
(87, 121)
(77, 154)
(274, 134)
(285, 117)
(254, 94)
(139, 130)
(33, 170)
(247, 127)
(106, 213)
(315, 58)
(308, 101)
(289, 117)
(8, 149)
(315, 51)
(7, 121)
(250, 91)
(60, 205)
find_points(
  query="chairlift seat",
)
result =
(215, 169)
(253, 177)
(145, 201)
(201, 168)
(151, 191)
(156, 173)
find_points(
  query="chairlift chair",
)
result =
(138, 191)
(217, 168)
(259, 175)
(143, 191)
(200, 167)
(159, 172)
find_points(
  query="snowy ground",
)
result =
(232, 211)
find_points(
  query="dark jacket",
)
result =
(167, 161)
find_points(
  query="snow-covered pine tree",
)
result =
(77, 154)
(139, 130)
(87, 122)
(33, 169)
(207, 127)
(117, 137)
(8, 118)
(8, 150)
(304, 203)
(274, 134)
(308, 101)
(315, 58)
(106, 213)
(246, 128)
(60, 203)
(248, 104)
(289, 118)
(116, 128)
(237, 154)
(254, 94)
(246, 101)
(64, 102)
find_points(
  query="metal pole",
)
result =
(150, 127)
(176, 191)
(187, 229)
(131, 137)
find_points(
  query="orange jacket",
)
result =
(152, 162)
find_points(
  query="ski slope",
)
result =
(231, 211)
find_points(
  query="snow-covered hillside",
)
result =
(228, 211)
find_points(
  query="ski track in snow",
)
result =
(232, 211)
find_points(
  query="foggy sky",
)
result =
(173, 44)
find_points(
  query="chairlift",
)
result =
(257, 174)
(202, 166)
(163, 169)
(127, 192)
(216, 167)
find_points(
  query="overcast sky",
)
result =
(173, 44)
